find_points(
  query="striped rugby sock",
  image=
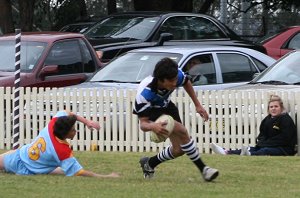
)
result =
(192, 152)
(162, 156)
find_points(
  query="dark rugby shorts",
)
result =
(171, 110)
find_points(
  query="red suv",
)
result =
(48, 59)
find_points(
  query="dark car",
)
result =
(122, 32)
(282, 42)
(48, 59)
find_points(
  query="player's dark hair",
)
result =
(63, 125)
(166, 68)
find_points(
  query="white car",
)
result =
(219, 67)
(284, 75)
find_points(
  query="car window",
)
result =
(89, 65)
(191, 28)
(201, 69)
(30, 54)
(133, 27)
(131, 67)
(67, 56)
(76, 27)
(294, 43)
(285, 70)
(236, 67)
(261, 66)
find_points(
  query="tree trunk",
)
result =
(205, 6)
(111, 6)
(26, 15)
(182, 6)
(153, 5)
(83, 10)
(6, 23)
(165, 5)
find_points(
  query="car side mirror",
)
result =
(47, 70)
(163, 38)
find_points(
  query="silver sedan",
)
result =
(210, 67)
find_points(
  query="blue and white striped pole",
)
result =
(17, 89)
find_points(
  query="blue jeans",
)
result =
(273, 151)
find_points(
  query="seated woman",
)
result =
(277, 137)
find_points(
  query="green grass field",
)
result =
(240, 176)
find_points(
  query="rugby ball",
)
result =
(169, 126)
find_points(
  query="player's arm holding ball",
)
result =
(158, 128)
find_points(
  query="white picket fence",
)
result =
(234, 117)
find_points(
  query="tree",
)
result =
(182, 6)
(267, 16)
(26, 14)
(111, 6)
(69, 11)
(268, 4)
(205, 6)
(6, 22)
(166, 5)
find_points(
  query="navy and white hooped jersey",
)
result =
(149, 97)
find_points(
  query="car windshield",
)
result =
(76, 27)
(30, 54)
(134, 27)
(131, 67)
(286, 71)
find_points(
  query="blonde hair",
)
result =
(276, 98)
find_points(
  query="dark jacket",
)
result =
(279, 131)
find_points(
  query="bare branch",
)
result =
(266, 3)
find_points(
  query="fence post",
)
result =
(16, 124)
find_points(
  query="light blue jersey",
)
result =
(44, 154)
